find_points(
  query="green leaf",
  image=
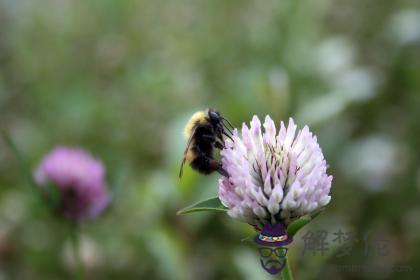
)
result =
(297, 224)
(211, 204)
(248, 239)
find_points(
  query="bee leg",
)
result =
(219, 145)
(228, 136)
(217, 166)
(209, 137)
(222, 171)
(217, 142)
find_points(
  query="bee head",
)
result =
(214, 117)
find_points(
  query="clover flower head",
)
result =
(79, 179)
(274, 177)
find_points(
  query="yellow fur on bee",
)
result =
(200, 117)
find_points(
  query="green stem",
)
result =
(74, 237)
(23, 166)
(25, 170)
(286, 273)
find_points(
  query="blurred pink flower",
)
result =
(273, 178)
(80, 180)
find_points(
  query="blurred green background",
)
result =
(121, 78)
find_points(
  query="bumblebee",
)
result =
(205, 131)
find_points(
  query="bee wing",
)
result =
(181, 170)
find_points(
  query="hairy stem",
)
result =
(74, 237)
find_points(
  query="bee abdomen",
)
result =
(205, 165)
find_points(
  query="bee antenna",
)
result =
(228, 122)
